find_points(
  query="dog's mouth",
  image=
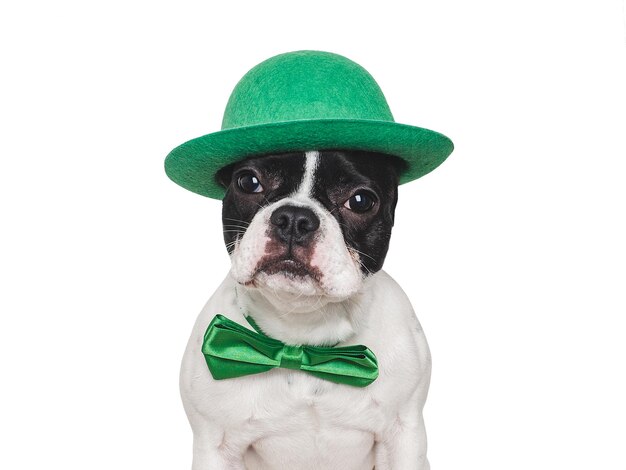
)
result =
(287, 266)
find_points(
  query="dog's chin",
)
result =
(291, 285)
(289, 277)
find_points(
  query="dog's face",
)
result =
(309, 225)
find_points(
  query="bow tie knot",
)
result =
(291, 357)
(231, 350)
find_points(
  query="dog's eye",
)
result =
(249, 183)
(362, 201)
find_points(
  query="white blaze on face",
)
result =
(340, 277)
(310, 165)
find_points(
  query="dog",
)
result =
(307, 234)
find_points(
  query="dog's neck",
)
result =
(310, 321)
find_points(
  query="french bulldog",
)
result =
(307, 234)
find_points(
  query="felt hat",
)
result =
(299, 101)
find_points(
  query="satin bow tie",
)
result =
(232, 350)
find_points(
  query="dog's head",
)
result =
(311, 225)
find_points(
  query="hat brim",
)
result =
(194, 164)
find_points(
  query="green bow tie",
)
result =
(231, 351)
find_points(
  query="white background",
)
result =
(512, 252)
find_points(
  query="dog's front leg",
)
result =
(405, 450)
(211, 451)
(404, 446)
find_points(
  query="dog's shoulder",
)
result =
(390, 311)
(394, 333)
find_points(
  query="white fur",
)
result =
(312, 158)
(290, 420)
(285, 419)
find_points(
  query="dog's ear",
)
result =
(398, 166)
(225, 175)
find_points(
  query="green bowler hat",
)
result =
(299, 101)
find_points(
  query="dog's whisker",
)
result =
(365, 267)
(295, 304)
(361, 253)
(336, 208)
(237, 220)
(261, 206)
(353, 243)
(323, 311)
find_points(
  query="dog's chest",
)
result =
(326, 423)
(295, 397)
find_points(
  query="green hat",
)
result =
(299, 101)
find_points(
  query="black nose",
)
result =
(294, 223)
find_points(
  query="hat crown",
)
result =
(305, 85)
